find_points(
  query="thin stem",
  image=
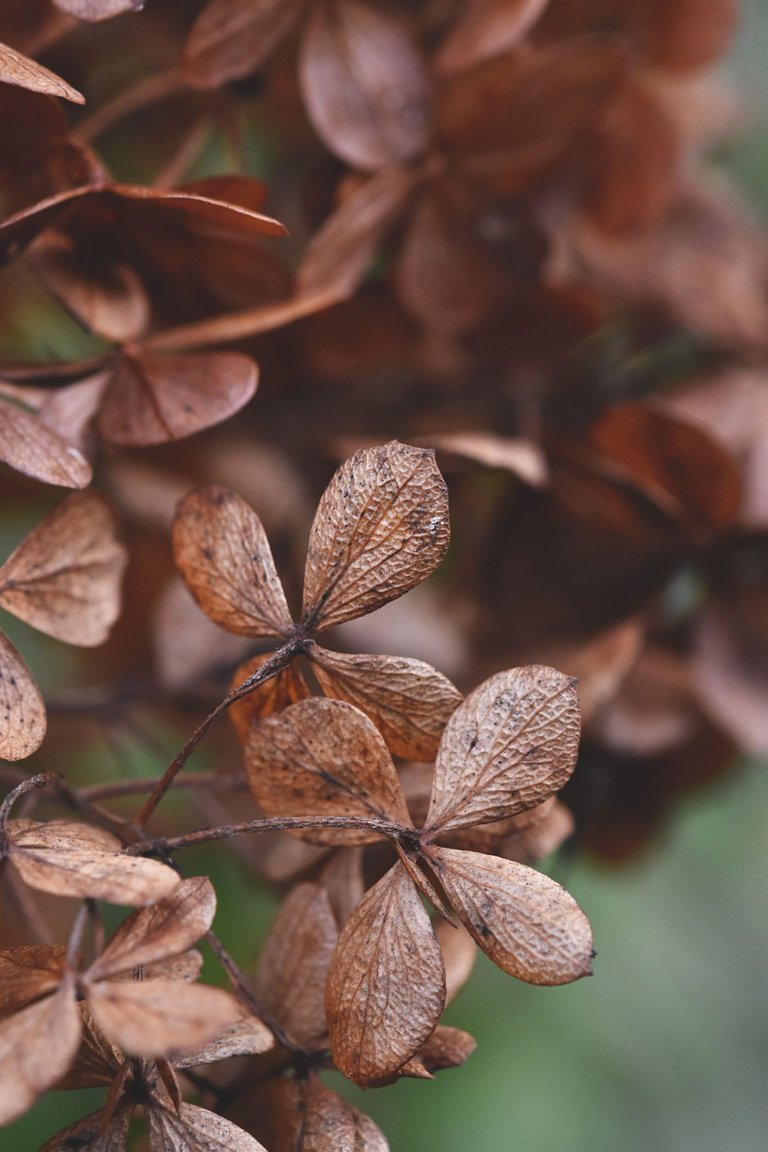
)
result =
(147, 90)
(268, 824)
(242, 323)
(270, 668)
(245, 992)
(172, 172)
(141, 784)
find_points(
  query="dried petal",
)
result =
(247, 1037)
(459, 955)
(64, 577)
(102, 1131)
(153, 398)
(386, 984)
(294, 964)
(340, 253)
(194, 1129)
(381, 527)
(521, 457)
(158, 1017)
(511, 744)
(16, 68)
(274, 695)
(27, 973)
(407, 700)
(29, 447)
(22, 710)
(364, 84)
(71, 859)
(37, 1045)
(306, 1116)
(94, 10)
(231, 38)
(487, 28)
(446, 1048)
(223, 553)
(527, 924)
(324, 758)
(167, 928)
(730, 665)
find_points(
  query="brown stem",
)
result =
(245, 993)
(276, 663)
(242, 323)
(268, 824)
(147, 90)
(172, 172)
(140, 784)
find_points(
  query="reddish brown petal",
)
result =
(223, 553)
(15, 68)
(287, 688)
(29, 447)
(27, 973)
(445, 276)
(446, 1048)
(22, 711)
(364, 84)
(386, 984)
(324, 758)
(690, 33)
(158, 1017)
(153, 398)
(231, 38)
(107, 298)
(407, 700)
(305, 1116)
(527, 924)
(71, 859)
(294, 964)
(511, 744)
(194, 1129)
(487, 28)
(64, 577)
(381, 527)
(37, 1045)
(167, 928)
(459, 955)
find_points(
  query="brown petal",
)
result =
(223, 554)
(194, 1129)
(386, 984)
(231, 38)
(305, 1116)
(154, 398)
(381, 527)
(486, 28)
(527, 924)
(22, 711)
(107, 298)
(672, 461)
(511, 744)
(340, 253)
(246, 1037)
(37, 1045)
(16, 68)
(71, 859)
(98, 1061)
(407, 700)
(324, 758)
(730, 665)
(158, 1017)
(445, 275)
(64, 577)
(102, 1131)
(446, 1048)
(27, 973)
(459, 955)
(29, 447)
(167, 928)
(364, 84)
(294, 964)
(287, 688)
(70, 410)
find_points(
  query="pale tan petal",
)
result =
(159, 1017)
(37, 1045)
(195, 1129)
(27, 445)
(22, 711)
